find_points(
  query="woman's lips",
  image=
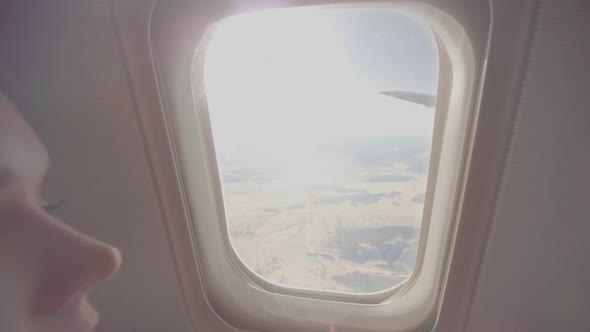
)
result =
(88, 314)
(81, 314)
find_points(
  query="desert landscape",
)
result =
(356, 233)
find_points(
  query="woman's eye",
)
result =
(52, 206)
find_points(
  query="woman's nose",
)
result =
(72, 263)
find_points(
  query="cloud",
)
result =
(418, 198)
(388, 178)
(243, 175)
(369, 282)
(358, 197)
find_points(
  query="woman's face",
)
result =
(46, 268)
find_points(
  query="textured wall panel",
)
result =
(536, 270)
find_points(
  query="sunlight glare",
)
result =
(304, 87)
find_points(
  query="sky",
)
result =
(286, 79)
(301, 128)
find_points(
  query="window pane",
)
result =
(322, 122)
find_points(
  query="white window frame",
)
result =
(240, 295)
(206, 140)
(221, 297)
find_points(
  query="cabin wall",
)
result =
(60, 63)
(535, 275)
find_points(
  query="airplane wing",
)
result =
(415, 97)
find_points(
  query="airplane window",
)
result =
(322, 122)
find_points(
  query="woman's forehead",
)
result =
(22, 155)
